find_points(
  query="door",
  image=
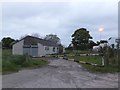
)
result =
(34, 51)
(26, 50)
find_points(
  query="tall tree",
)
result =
(53, 38)
(6, 42)
(80, 39)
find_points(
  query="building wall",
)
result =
(41, 51)
(17, 49)
(63, 50)
(50, 50)
(44, 50)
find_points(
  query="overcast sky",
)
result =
(61, 18)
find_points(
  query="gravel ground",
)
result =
(59, 74)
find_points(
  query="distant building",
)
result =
(102, 44)
(34, 47)
(113, 42)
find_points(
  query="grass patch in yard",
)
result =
(91, 59)
(98, 69)
(38, 63)
(95, 60)
(0, 60)
(88, 59)
(13, 63)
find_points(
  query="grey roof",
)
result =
(30, 40)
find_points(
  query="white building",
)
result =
(113, 41)
(34, 47)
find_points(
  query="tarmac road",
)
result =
(59, 74)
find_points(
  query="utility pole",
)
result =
(118, 51)
(102, 52)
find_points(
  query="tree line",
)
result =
(81, 40)
(7, 42)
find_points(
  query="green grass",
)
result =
(88, 59)
(91, 59)
(13, 63)
(104, 69)
(0, 60)
(95, 60)
(98, 69)
(80, 52)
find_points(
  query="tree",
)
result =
(80, 39)
(35, 35)
(91, 44)
(6, 42)
(53, 38)
(113, 46)
(97, 43)
(70, 46)
(23, 36)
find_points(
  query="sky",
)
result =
(60, 18)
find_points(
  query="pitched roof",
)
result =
(30, 40)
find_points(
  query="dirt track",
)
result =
(59, 74)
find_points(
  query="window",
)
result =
(46, 48)
(53, 49)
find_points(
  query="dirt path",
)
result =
(59, 74)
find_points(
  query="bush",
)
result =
(17, 59)
(9, 66)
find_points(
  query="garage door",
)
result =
(34, 51)
(26, 50)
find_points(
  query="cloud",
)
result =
(61, 18)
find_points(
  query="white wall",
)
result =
(63, 50)
(50, 51)
(17, 49)
(43, 52)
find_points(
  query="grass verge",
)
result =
(91, 59)
(101, 69)
(14, 63)
(95, 60)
